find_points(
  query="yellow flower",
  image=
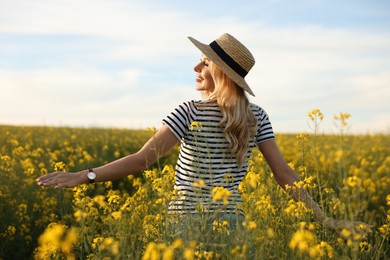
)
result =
(221, 227)
(303, 136)
(177, 243)
(327, 249)
(199, 184)
(156, 251)
(59, 166)
(9, 233)
(137, 183)
(116, 215)
(264, 205)
(80, 215)
(220, 193)
(342, 117)
(113, 199)
(229, 178)
(270, 233)
(111, 245)
(151, 129)
(189, 253)
(364, 246)
(168, 254)
(56, 238)
(253, 179)
(251, 225)
(100, 200)
(353, 181)
(384, 229)
(195, 126)
(70, 239)
(297, 209)
(315, 115)
(96, 241)
(302, 240)
(346, 233)
(338, 155)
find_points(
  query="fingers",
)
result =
(355, 226)
(338, 225)
(51, 179)
(47, 176)
(364, 228)
(60, 185)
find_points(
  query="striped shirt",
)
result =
(204, 162)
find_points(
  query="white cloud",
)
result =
(298, 67)
(54, 85)
(60, 96)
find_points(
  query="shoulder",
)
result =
(186, 105)
(257, 110)
(199, 105)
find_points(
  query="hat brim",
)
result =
(210, 53)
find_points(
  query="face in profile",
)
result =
(204, 81)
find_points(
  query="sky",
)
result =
(128, 64)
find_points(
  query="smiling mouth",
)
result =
(198, 79)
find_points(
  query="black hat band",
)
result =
(228, 60)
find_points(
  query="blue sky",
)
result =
(126, 63)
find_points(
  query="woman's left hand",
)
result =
(338, 225)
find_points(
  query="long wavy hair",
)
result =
(238, 122)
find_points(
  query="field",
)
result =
(349, 175)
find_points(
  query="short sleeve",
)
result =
(180, 119)
(264, 127)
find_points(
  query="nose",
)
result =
(198, 67)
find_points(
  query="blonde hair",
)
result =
(238, 122)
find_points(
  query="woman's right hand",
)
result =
(63, 179)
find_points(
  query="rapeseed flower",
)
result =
(251, 225)
(305, 242)
(196, 126)
(264, 205)
(59, 166)
(364, 246)
(116, 215)
(297, 209)
(353, 181)
(221, 226)
(342, 117)
(56, 240)
(304, 137)
(221, 194)
(315, 115)
(302, 240)
(199, 184)
(252, 178)
(270, 232)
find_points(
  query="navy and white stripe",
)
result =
(203, 156)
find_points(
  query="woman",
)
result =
(217, 136)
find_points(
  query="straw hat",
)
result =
(231, 56)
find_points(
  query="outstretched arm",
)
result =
(284, 175)
(158, 145)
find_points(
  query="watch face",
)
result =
(91, 175)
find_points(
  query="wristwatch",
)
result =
(91, 175)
